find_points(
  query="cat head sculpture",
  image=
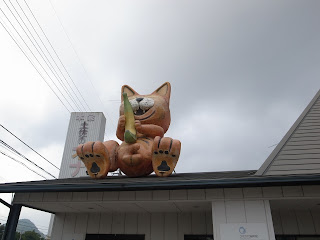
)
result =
(152, 108)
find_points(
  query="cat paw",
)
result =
(165, 155)
(95, 157)
(138, 125)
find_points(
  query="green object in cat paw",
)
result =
(130, 133)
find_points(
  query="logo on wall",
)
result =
(242, 230)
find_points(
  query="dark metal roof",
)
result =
(152, 182)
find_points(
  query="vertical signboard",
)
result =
(83, 127)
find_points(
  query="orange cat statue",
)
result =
(148, 150)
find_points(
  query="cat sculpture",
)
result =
(151, 152)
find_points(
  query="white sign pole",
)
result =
(83, 127)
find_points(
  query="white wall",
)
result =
(296, 222)
(241, 211)
(237, 205)
(155, 226)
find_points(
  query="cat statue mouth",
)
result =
(141, 105)
(143, 117)
(140, 112)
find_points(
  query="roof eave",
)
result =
(253, 181)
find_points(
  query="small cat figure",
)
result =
(151, 152)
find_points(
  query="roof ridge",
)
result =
(269, 161)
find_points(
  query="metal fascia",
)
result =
(164, 185)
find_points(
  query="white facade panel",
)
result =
(83, 127)
(162, 226)
(171, 226)
(58, 226)
(105, 223)
(300, 222)
(158, 220)
(241, 211)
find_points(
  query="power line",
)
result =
(77, 55)
(37, 49)
(56, 54)
(3, 218)
(28, 226)
(21, 155)
(32, 51)
(29, 146)
(52, 67)
(273, 145)
(22, 164)
(33, 65)
(30, 59)
(17, 154)
(49, 52)
(43, 56)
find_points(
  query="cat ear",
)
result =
(130, 92)
(164, 91)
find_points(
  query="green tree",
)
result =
(17, 236)
(30, 235)
(1, 231)
(2, 228)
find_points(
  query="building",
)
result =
(280, 200)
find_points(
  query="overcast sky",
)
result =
(241, 74)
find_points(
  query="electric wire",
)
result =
(28, 146)
(37, 226)
(2, 217)
(44, 228)
(32, 51)
(46, 57)
(11, 150)
(42, 54)
(21, 155)
(35, 46)
(53, 48)
(77, 55)
(33, 56)
(3, 153)
(52, 67)
(273, 145)
(33, 65)
(56, 54)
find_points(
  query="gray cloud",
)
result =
(241, 72)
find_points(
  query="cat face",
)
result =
(152, 108)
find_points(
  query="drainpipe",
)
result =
(11, 226)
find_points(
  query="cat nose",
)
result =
(139, 99)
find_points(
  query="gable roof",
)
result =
(299, 150)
